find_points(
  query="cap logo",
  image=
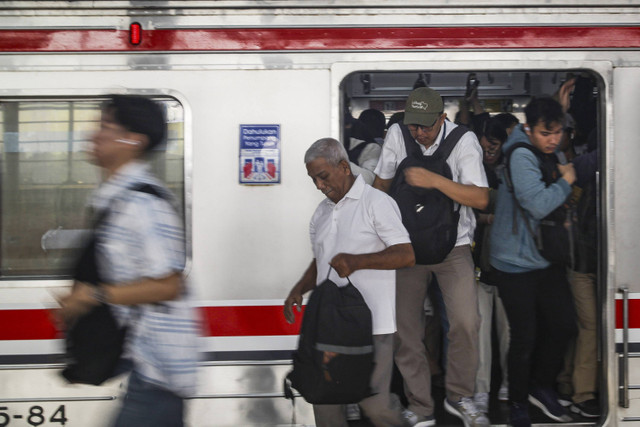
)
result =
(419, 105)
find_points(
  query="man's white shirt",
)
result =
(365, 221)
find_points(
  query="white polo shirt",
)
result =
(366, 220)
(465, 162)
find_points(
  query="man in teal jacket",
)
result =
(535, 293)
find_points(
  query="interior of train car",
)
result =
(480, 92)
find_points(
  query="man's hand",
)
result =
(344, 264)
(564, 94)
(74, 305)
(420, 177)
(292, 299)
(568, 172)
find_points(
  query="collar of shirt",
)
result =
(132, 172)
(428, 151)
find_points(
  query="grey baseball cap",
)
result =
(424, 106)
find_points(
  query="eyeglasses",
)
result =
(424, 129)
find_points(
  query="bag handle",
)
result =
(329, 273)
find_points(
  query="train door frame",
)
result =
(603, 71)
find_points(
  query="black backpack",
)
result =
(429, 216)
(334, 360)
(554, 236)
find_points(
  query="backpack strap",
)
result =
(410, 144)
(354, 153)
(450, 141)
(509, 183)
(443, 150)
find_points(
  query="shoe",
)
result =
(353, 412)
(466, 410)
(589, 408)
(412, 419)
(482, 402)
(503, 393)
(519, 415)
(547, 400)
(564, 400)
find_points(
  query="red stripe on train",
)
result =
(258, 39)
(36, 324)
(634, 314)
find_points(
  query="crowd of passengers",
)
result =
(495, 278)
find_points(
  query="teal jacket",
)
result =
(516, 252)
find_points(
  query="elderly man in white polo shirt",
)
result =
(425, 118)
(357, 232)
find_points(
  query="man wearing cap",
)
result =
(427, 123)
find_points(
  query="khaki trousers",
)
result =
(455, 276)
(490, 307)
(580, 373)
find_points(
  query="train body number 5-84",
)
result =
(34, 416)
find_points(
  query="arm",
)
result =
(530, 190)
(391, 258)
(304, 285)
(464, 194)
(382, 184)
(145, 291)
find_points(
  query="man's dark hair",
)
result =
(494, 129)
(395, 118)
(507, 119)
(140, 115)
(545, 109)
(374, 120)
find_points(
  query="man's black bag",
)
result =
(554, 235)
(95, 341)
(429, 216)
(334, 361)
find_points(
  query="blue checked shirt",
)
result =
(142, 236)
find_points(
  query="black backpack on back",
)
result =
(429, 216)
(554, 236)
(334, 360)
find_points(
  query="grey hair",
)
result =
(329, 149)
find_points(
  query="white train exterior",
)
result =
(231, 69)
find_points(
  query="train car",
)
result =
(247, 87)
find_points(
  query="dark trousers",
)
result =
(542, 321)
(146, 405)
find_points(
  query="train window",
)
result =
(46, 179)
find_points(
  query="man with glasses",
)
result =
(428, 126)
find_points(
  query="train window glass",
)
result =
(46, 179)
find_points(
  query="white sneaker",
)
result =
(466, 410)
(482, 402)
(503, 393)
(412, 419)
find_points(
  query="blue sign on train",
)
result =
(259, 154)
